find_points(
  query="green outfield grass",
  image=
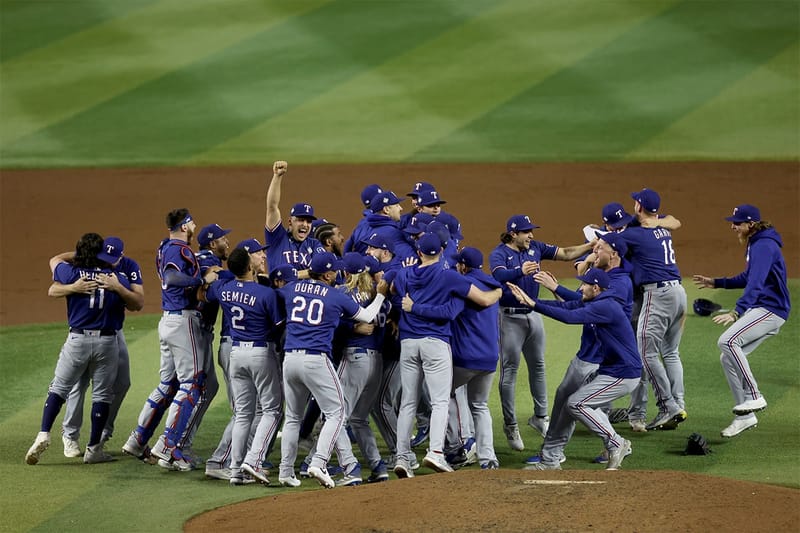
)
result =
(112, 83)
(62, 494)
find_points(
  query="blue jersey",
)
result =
(176, 254)
(102, 309)
(360, 232)
(429, 285)
(313, 311)
(282, 249)
(505, 264)
(476, 334)
(652, 255)
(617, 351)
(351, 339)
(208, 310)
(390, 230)
(764, 278)
(252, 309)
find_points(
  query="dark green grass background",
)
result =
(143, 82)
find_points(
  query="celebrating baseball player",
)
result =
(294, 244)
(254, 370)
(516, 259)
(619, 368)
(313, 311)
(95, 313)
(759, 313)
(112, 254)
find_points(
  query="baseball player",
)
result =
(660, 325)
(425, 348)
(759, 313)
(94, 313)
(619, 368)
(516, 259)
(218, 465)
(112, 254)
(313, 311)
(385, 217)
(354, 243)
(214, 249)
(254, 370)
(294, 244)
(608, 256)
(179, 330)
(475, 353)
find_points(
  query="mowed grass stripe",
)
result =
(625, 93)
(27, 25)
(755, 118)
(201, 105)
(55, 82)
(390, 112)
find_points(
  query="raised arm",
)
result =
(273, 217)
(570, 253)
(64, 257)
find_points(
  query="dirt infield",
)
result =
(523, 501)
(44, 212)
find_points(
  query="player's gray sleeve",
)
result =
(368, 314)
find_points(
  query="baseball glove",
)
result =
(704, 307)
(697, 445)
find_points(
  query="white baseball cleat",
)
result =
(740, 424)
(290, 481)
(71, 447)
(218, 472)
(638, 425)
(436, 461)
(514, 438)
(540, 424)
(750, 406)
(616, 455)
(38, 447)
(96, 454)
(321, 475)
(256, 473)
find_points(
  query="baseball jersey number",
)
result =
(97, 299)
(237, 315)
(669, 253)
(307, 312)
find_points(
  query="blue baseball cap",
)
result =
(325, 262)
(615, 217)
(317, 222)
(251, 245)
(210, 233)
(470, 257)
(744, 213)
(648, 199)
(452, 224)
(369, 192)
(285, 273)
(615, 241)
(520, 223)
(378, 240)
(112, 250)
(303, 211)
(383, 199)
(420, 187)
(354, 263)
(431, 197)
(596, 276)
(429, 244)
(440, 230)
(418, 223)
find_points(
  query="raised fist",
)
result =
(279, 168)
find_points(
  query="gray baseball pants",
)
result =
(522, 333)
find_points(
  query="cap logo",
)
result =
(109, 249)
(417, 186)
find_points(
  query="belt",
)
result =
(308, 352)
(94, 332)
(182, 311)
(661, 284)
(517, 310)
(250, 344)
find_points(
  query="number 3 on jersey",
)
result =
(669, 253)
(307, 311)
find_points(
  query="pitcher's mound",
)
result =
(519, 500)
